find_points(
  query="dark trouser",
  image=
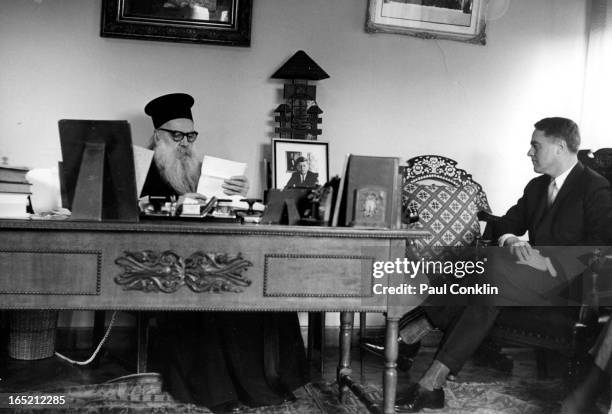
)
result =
(467, 323)
(464, 329)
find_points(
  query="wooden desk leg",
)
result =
(344, 366)
(390, 374)
(362, 334)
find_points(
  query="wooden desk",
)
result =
(199, 266)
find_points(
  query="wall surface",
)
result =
(387, 95)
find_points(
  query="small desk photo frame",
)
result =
(98, 179)
(285, 153)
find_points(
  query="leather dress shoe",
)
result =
(417, 398)
(405, 355)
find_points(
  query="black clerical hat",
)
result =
(168, 107)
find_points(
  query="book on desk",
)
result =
(14, 192)
(369, 193)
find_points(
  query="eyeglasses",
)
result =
(177, 136)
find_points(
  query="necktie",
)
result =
(552, 192)
(302, 179)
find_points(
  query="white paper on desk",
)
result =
(214, 172)
(142, 163)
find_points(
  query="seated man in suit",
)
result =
(303, 177)
(566, 205)
(217, 359)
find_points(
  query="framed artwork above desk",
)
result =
(221, 22)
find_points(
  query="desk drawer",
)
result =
(292, 275)
(50, 272)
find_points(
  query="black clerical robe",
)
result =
(155, 185)
(212, 358)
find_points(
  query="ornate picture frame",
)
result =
(221, 22)
(462, 20)
(286, 153)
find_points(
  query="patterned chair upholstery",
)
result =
(447, 201)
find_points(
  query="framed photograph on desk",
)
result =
(299, 163)
(222, 22)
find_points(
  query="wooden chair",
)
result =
(447, 200)
(600, 161)
(432, 183)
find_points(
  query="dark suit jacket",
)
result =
(577, 216)
(311, 180)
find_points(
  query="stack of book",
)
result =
(14, 192)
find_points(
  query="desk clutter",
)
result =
(249, 210)
(366, 196)
(102, 174)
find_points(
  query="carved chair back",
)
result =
(447, 200)
(600, 161)
(436, 168)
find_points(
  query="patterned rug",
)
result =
(463, 398)
(143, 394)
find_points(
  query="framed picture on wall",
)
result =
(299, 163)
(222, 22)
(462, 20)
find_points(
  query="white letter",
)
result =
(377, 272)
(415, 269)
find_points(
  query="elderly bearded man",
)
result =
(176, 167)
(216, 359)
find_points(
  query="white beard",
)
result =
(179, 167)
